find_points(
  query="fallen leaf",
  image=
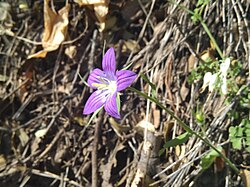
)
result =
(207, 55)
(55, 29)
(100, 7)
(35, 145)
(142, 125)
(24, 138)
(71, 51)
(131, 45)
(3, 162)
(245, 175)
(191, 62)
(119, 129)
(40, 133)
(184, 91)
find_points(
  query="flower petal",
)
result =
(124, 79)
(111, 106)
(95, 101)
(224, 86)
(108, 62)
(225, 66)
(94, 77)
(213, 82)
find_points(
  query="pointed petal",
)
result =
(224, 86)
(225, 66)
(124, 79)
(213, 81)
(95, 101)
(206, 80)
(111, 106)
(108, 62)
(94, 77)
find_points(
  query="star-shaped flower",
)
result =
(108, 83)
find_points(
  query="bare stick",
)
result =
(95, 149)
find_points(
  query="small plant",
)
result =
(199, 9)
(218, 76)
(239, 135)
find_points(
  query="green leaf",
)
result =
(178, 140)
(232, 131)
(248, 140)
(207, 160)
(248, 149)
(235, 131)
(245, 123)
(239, 132)
(196, 16)
(236, 142)
(247, 132)
(200, 2)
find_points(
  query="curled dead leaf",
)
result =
(3, 162)
(24, 138)
(71, 51)
(55, 29)
(100, 8)
(245, 175)
(142, 125)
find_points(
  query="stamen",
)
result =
(105, 84)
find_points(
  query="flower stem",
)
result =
(186, 127)
(211, 37)
(203, 25)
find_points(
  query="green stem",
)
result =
(186, 127)
(203, 25)
(211, 37)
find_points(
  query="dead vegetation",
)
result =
(44, 140)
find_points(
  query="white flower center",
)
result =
(106, 84)
(112, 86)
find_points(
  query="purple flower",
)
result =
(108, 83)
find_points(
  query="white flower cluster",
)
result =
(217, 79)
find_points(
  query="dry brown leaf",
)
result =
(24, 138)
(191, 62)
(35, 145)
(55, 29)
(142, 125)
(245, 175)
(184, 91)
(131, 45)
(90, 2)
(71, 51)
(100, 7)
(3, 162)
(207, 54)
(220, 162)
(118, 128)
